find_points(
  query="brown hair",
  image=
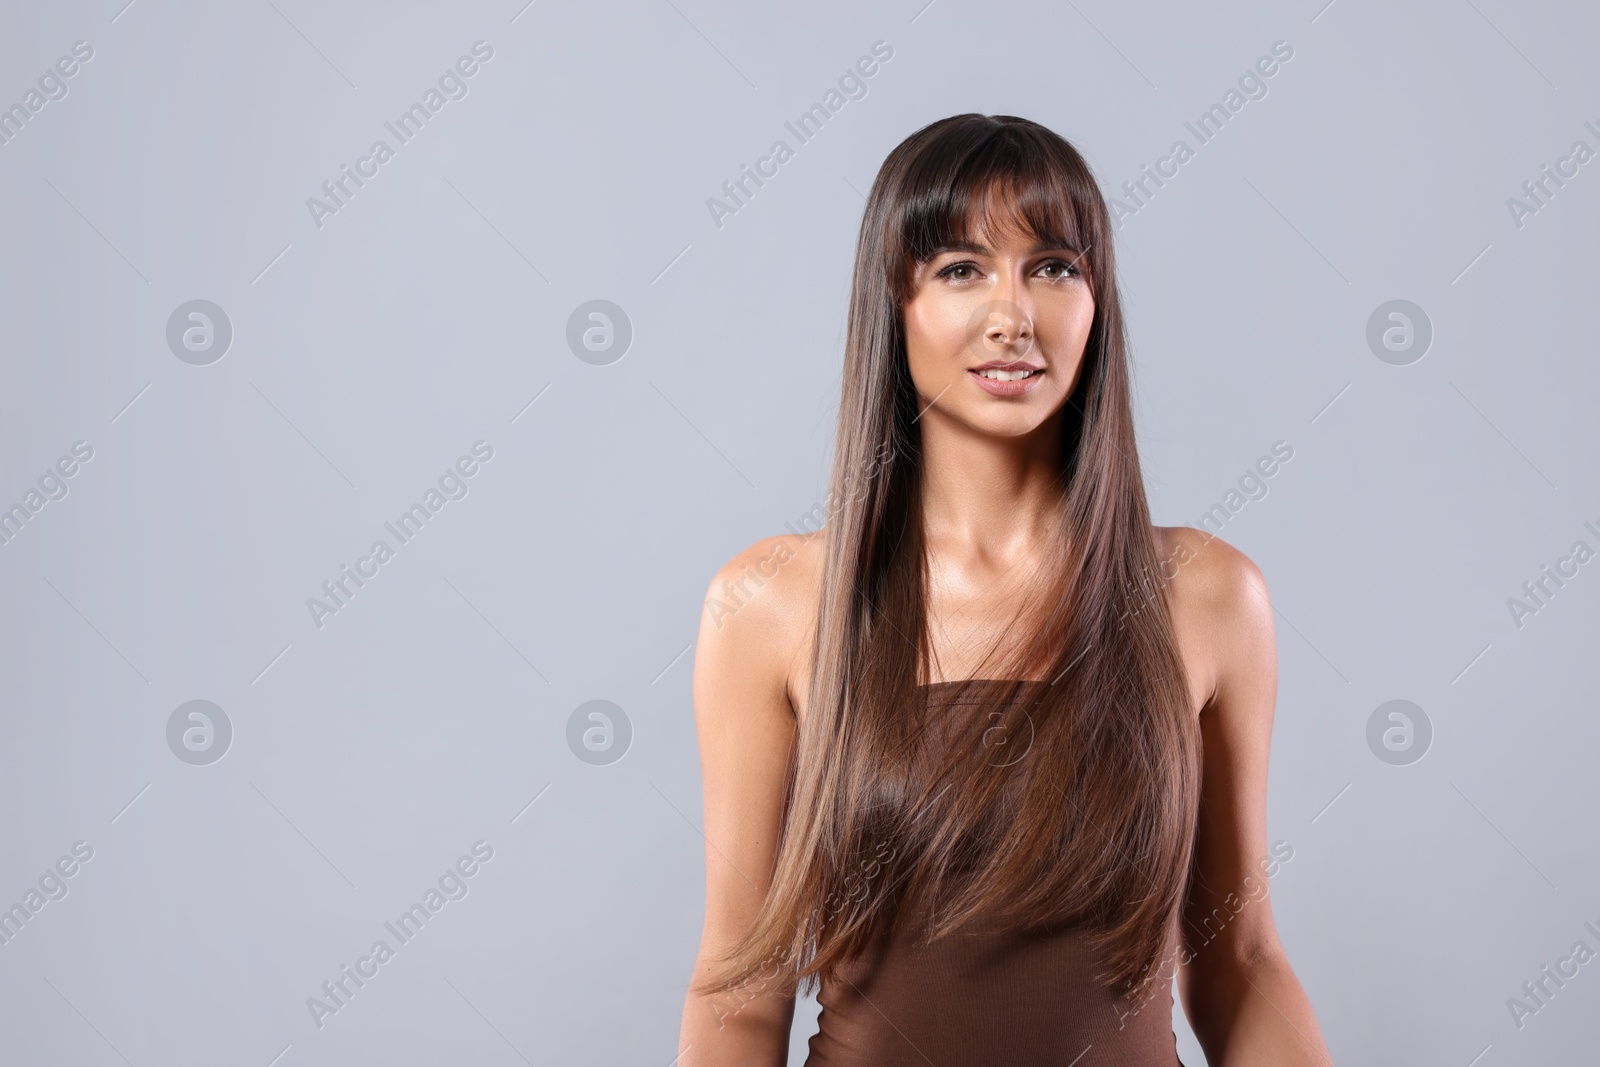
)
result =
(1099, 817)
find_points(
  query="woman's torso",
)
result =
(985, 995)
(982, 995)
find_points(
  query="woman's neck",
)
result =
(989, 494)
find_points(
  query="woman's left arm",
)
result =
(1238, 991)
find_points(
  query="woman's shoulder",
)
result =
(762, 605)
(773, 576)
(1204, 567)
(1219, 603)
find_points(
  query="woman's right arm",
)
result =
(745, 726)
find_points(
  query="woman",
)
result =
(986, 757)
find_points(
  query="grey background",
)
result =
(369, 354)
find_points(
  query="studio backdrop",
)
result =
(384, 383)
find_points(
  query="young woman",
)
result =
(985, 758)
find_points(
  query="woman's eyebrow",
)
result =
(973, 247)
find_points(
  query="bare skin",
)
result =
(988, 480)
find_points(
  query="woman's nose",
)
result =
(1006, 322)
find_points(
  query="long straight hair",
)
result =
(1098, 785)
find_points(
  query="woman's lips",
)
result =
(998, 388)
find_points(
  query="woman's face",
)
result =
(995, 332)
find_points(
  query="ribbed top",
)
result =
(984, 995)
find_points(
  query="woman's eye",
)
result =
(1056, 269)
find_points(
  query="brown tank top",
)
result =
(986, 996)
